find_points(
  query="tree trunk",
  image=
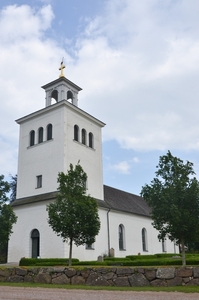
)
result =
(183, 253)
(70, 252)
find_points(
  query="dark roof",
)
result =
(126, 202)
(114, 199)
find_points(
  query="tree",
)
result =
(174, 199)
(13, 188)
(7, 216)
(74, 215)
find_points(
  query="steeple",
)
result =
(61, 89)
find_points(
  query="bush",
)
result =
(45, 261)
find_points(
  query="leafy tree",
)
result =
(7, 216)
(74, 215)
(174, 199)
(13, 188)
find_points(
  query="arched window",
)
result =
(49, 132)
(70, 96)
(35, 237)
(121, 237)
(40, 135)
(84, 136)
(144, 240)
(54, 97)
(76, 133)
(32, 137)
(90, 136)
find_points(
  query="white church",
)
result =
(50, 139)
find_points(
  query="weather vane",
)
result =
(62, 68)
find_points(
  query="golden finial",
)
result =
(62, 68)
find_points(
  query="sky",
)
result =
(136, 61)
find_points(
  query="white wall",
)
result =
(53, 156)
(34, 216)
(133, 225)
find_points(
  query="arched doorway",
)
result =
(35, 243)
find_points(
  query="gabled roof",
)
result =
(114, 199)
(125, 202)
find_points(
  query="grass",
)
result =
(180, 289)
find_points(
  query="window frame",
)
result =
(39, 181)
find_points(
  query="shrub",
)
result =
(45, 261)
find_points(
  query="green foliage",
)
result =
(13, 188)
(74, 215)
(174, 198)
(45, 261)
(7, 216)
(167, 259)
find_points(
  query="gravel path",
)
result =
(20, 293)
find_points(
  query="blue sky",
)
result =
(138, 65)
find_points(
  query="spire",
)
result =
(62, 68)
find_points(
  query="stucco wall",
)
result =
(34, 216)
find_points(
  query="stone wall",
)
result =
(114, 276)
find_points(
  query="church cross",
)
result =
(62, 69)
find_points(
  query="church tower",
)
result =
(55, 136)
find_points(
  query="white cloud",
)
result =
(141, 62)
(122, 167)
(137, 62)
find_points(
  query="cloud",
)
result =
(141, 62)
(26, 62)
(137, 62)
(122, 167)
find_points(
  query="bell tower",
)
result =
(55, 136)
(61, 89)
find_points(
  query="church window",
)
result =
(121, 237)
(32, 137)
(70, 96)
(49, 132)
(40, 135)
(39, 181)
(76, 133)
(90, 246)
(84, 136)
(144, 240)
(54, 97)
(90, 139)
(35, 237)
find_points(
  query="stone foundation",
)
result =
(102, 276)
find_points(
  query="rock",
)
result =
(28, 278)
(21, 272)
(95, 279)
(121, 281)
(195, 272)
(175, 281)
(15, 278)
(61, 279)
(70, 272)
(5, 272)
(138, 279)
(78, 280)
(59, 269)
(124, 271)
(42, 278)
(150, 274)
(184, 272)
(194, 281)
(85, 273)
(165, 273)
(158, 282)
(109, 275)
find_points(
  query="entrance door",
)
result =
(35, 243)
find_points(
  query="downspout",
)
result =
(108, 231)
